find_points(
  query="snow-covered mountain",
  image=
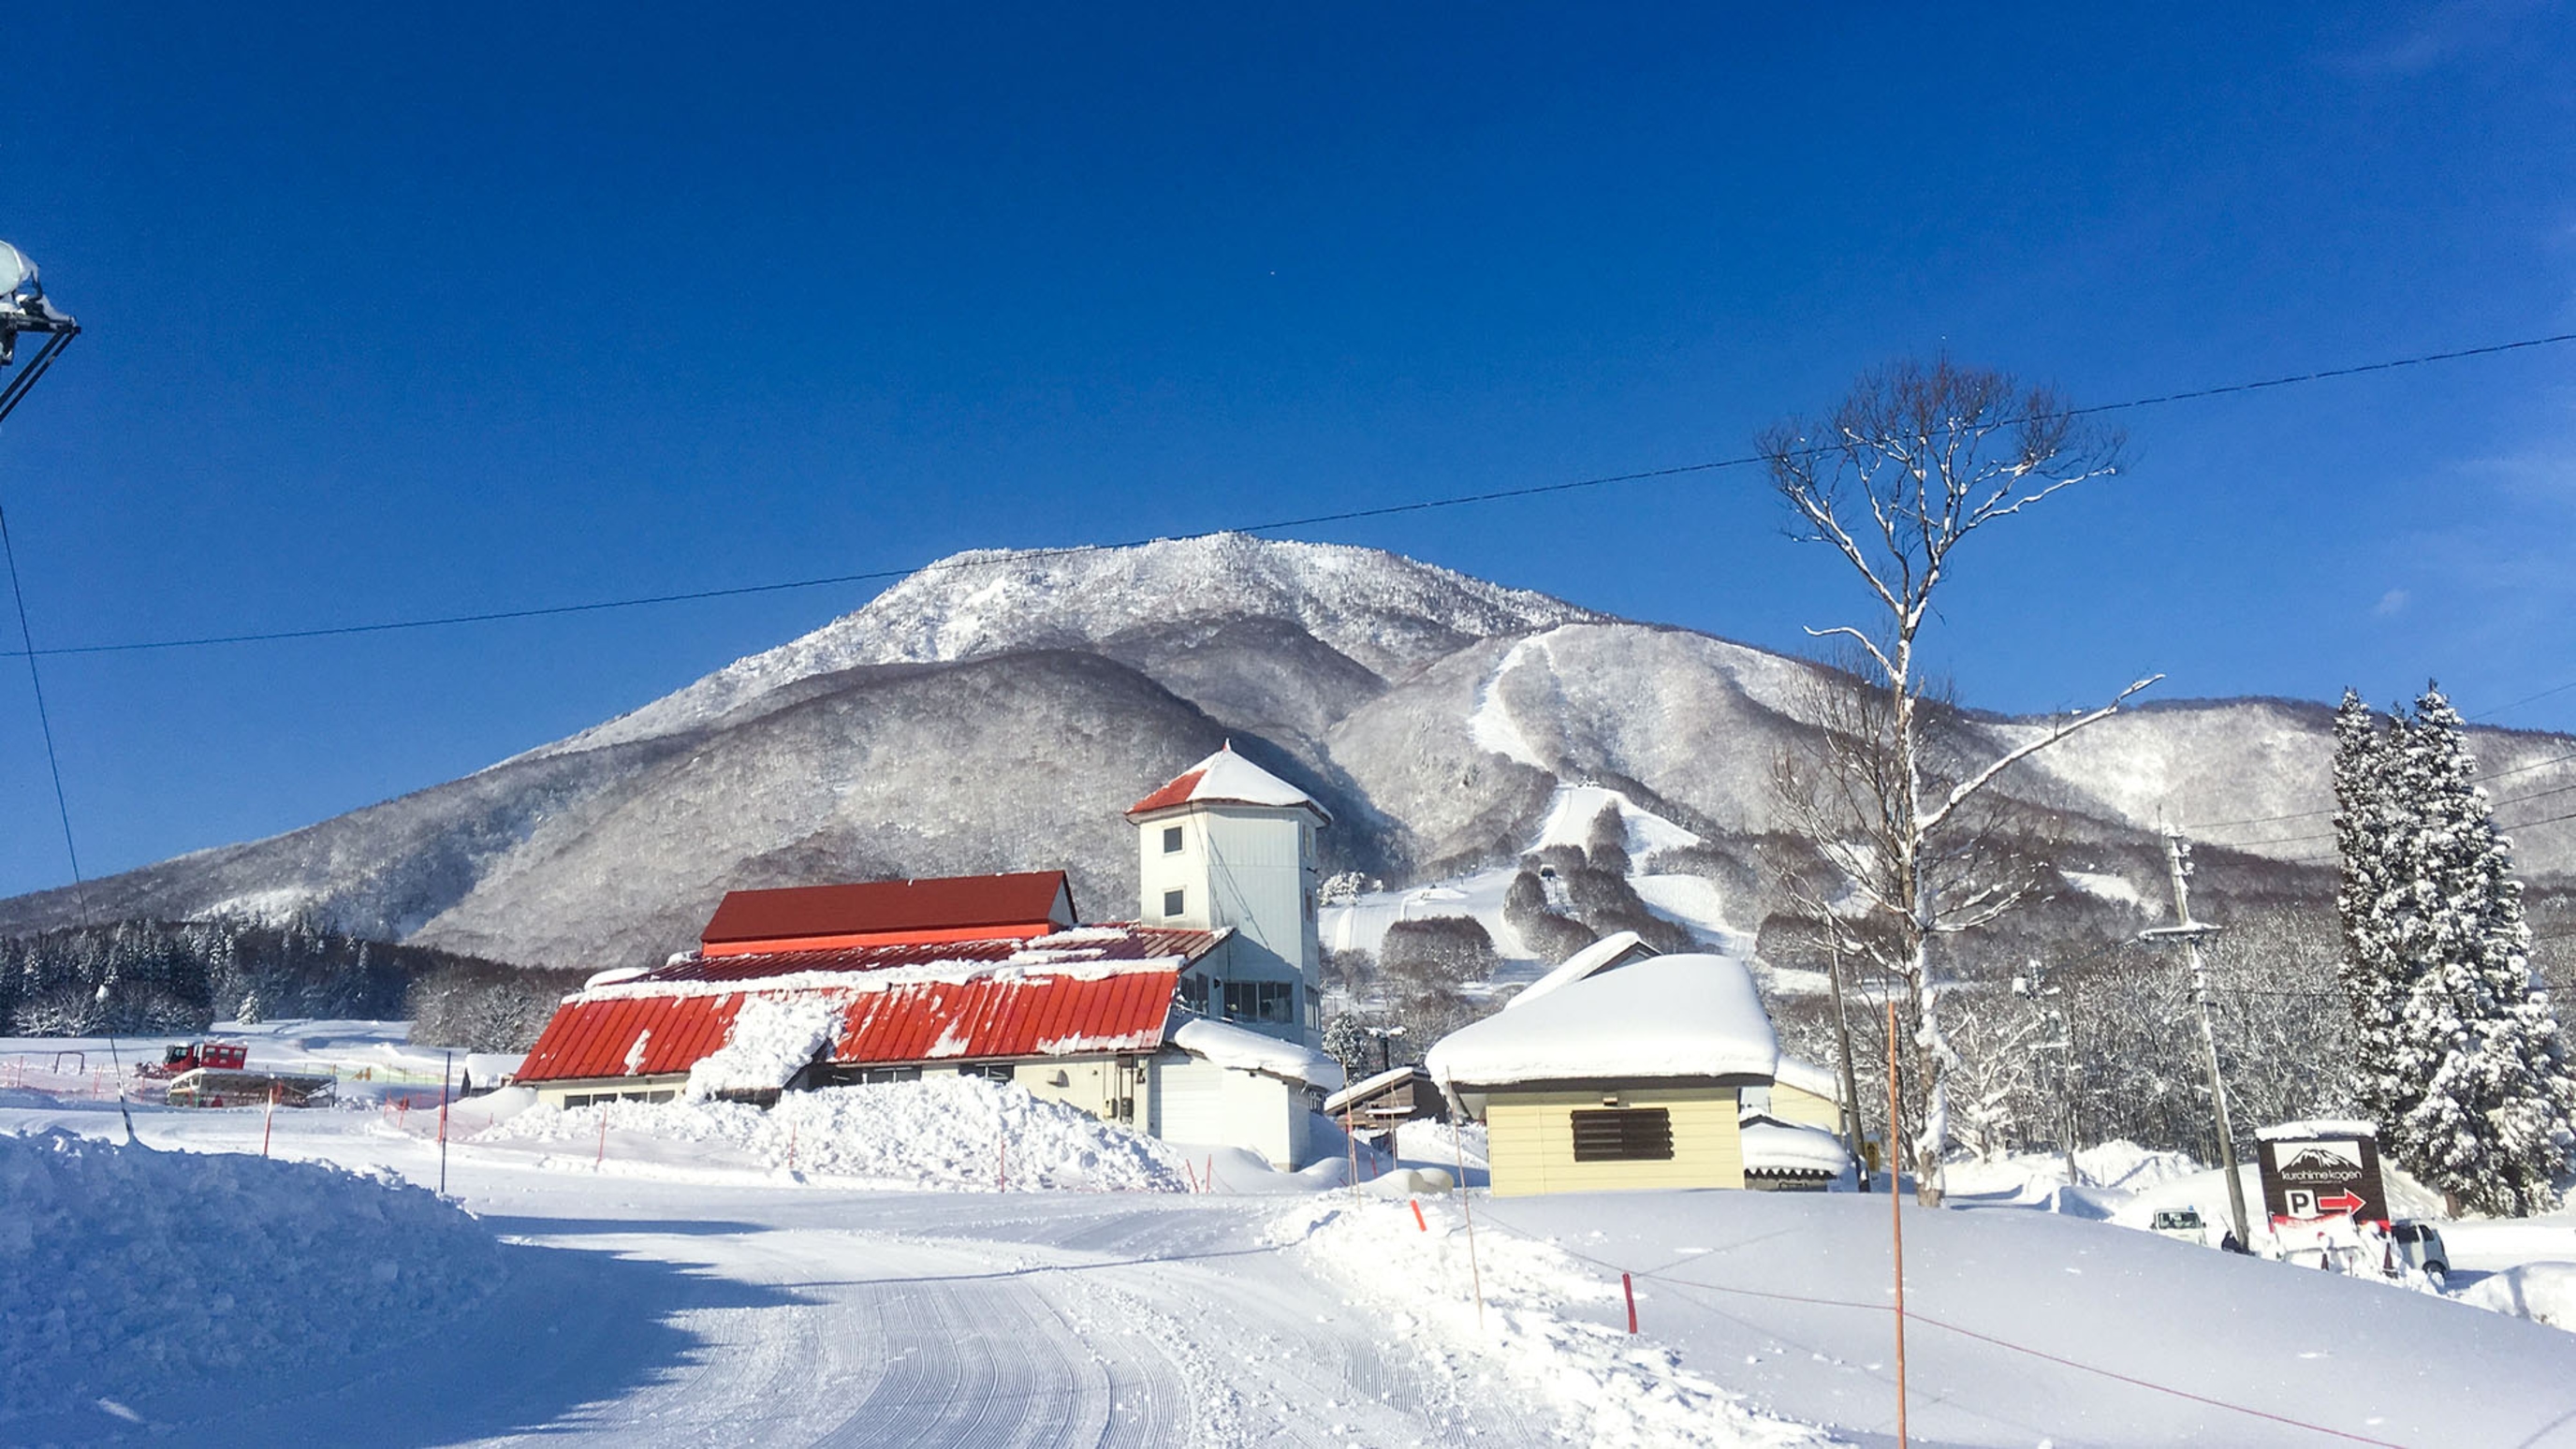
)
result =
(997, 711)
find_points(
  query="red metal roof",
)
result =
(1115, 998)
(957, 907)
(1176, 793)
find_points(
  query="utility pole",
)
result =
(2190, 932)
(1853, 1134)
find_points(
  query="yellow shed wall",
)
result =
(1790, 1104)
(1529, 1139)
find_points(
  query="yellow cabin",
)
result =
(1623, 1073)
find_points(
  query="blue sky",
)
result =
(405, 313)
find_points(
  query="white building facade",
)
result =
(1230, 846)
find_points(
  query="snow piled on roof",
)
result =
(1807, 1077)
(959, 1133)
(1019, 966)
(1360, 1089)
(1771, 1145)
(2317, 1127)
(1228, 1045)
(1685, 1015)
(1584, 963)
(125, 1271)
(773, 1038)
(1228, 778)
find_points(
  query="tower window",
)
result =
(1172, 901)
(1260, 1001)
(1171, 840)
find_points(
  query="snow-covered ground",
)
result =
(695, 1291)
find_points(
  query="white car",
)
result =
(2182, 1225)
(2420, 1244)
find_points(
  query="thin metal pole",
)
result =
(446, 1065)
(2177, 858)
(1896, 1214)
(1475, 1276)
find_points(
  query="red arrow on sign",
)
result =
(2342, 1202)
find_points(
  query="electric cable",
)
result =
(1347, 515)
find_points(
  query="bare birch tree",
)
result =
(1914, 460)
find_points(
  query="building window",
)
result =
(1260, 1001)
(989, 1071)
(1194, 992)
(1171, 840)
(1172, 901)
(1624, 1134)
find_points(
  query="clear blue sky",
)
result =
(403, 310)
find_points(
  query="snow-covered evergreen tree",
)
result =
(2475, 1037)
(2368, 820)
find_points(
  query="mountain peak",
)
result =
(1387, 613)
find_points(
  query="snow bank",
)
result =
(773, 1038)
(2541, 1292)
(1604, 1387)
(123, 1270)
(939, 1132)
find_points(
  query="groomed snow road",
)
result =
(648, 1310)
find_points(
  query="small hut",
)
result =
(1624, 1078)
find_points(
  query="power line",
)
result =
(1349, 515)
(2331, 809)
(44, 719)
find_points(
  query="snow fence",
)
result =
(940, 1132)
(124, 1269)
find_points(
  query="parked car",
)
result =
(2182, 1225)
(2420, 1244)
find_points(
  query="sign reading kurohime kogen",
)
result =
(2313, 1171)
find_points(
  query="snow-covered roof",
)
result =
(1771, 1145)
(1229, 779)
(1686, 1015)
(1600, 956)
(2318, 1127)
(1367, 1087)
(1807, 1077)
(1228, 1045)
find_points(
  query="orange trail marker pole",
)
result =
(601, 1160)
(269, 1123)
(1628, 1286)
(1417, 1216)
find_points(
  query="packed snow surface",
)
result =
(1228, 1045)
(2541, 1292)
(1536, 1313)
(1685, 1015)
(125, 1270)
(939, 1132)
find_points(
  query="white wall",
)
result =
(1201, 1103)
(1249, 868)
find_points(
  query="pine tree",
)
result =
(2368, 834)
(2479, 1044)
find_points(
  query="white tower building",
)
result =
(1228, 844)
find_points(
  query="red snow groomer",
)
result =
(214, 1074)
(223, 1056)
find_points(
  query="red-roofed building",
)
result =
(1192, 1026)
